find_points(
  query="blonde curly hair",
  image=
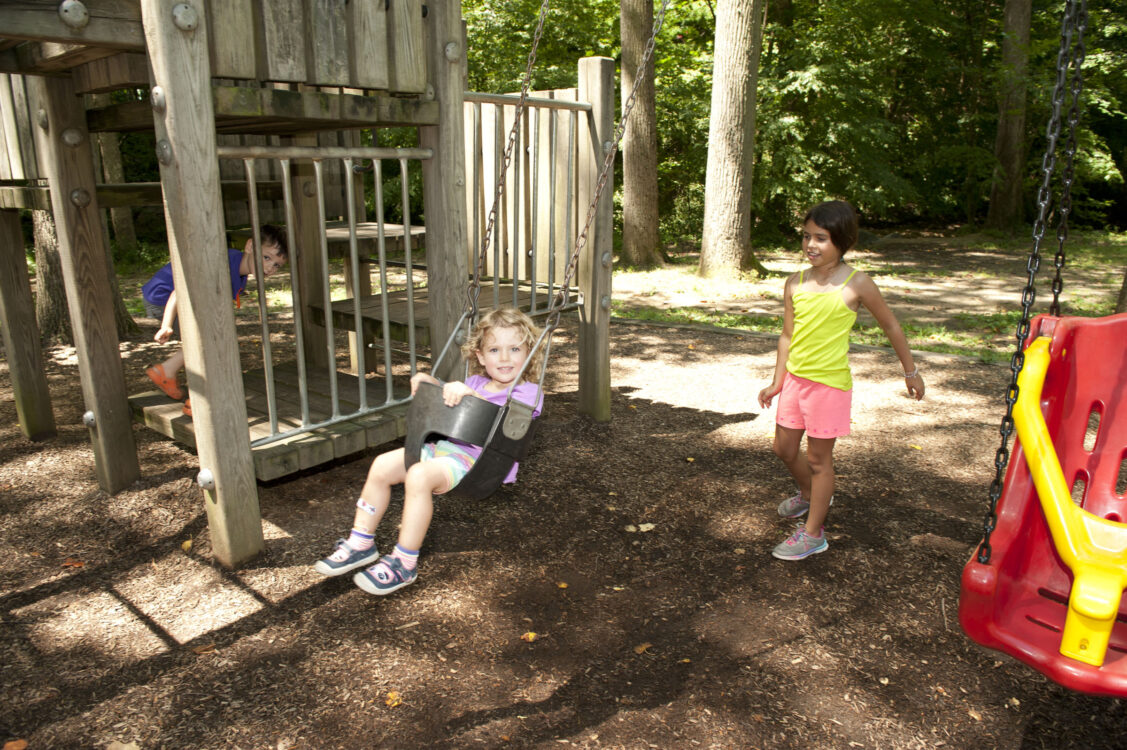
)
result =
(504, 317)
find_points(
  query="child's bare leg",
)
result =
(387, 470)
(398, 569)
(174, 364)
(820, 460)
(360, 547)
(788, 442)
(424, 480)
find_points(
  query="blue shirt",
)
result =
(156, 290)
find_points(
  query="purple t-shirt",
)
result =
(156, 290)
(527, 393)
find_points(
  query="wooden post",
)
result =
(444, 175)
(66, 158)
(596, 85)
(21, 335)
(305, 259)
(189, 172)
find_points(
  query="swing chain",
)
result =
(1075, 18)
(563, 295)
(473, 293)
(1068, 173)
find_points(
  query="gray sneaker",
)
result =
(793, 507)
(345, 559)
(800, 545)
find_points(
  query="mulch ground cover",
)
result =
(621, 595)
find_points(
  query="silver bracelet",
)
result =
(912, 374)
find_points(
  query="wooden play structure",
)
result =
(258, 109)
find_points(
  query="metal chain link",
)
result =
(1068, 173)
(1075, 18)
(562, 297)
(474, 290)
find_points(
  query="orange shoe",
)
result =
(188, 407)
(165, 383)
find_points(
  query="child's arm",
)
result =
(422, 377)
(165, 332)
(871, 298)
(783, 353)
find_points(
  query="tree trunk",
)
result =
(639, 145)
(50, 295)
(51, 311)
(726, 244)
(1005, 210)
(1121, 303)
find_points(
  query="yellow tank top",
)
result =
(819, 344)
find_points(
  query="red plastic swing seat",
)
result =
(1018, 602)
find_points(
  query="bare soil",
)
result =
(637, 552)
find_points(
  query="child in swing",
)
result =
(496, 349)
(812, 377)
(160, 301)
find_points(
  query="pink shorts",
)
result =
(819, 409)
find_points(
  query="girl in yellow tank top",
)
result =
(812, 367)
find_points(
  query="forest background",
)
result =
(894, 105)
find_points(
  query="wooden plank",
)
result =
(269, 110)
(24, 125)
(67, 162)
(21, 335)
(112, 23)
(368, 41)
(125, 194)
(231, 25)
(47, 58)
(326, 38)
(119, 71)
(194, 217)
(408, 53)
(444, 175)
(283, 50)
(596, 85)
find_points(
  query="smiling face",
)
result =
(272, 258)
(502, 353)
(819, 248)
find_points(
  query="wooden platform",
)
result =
(289, 455)
(371, 311)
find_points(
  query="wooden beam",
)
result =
(21, 335)
(122, 70)
(258, 110)
(111, 23)
(189, 170)
(67, 162)
(596, 85)
(444, 175)
(112, 195)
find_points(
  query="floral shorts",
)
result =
(453, 459)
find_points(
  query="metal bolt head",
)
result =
(41, 118)
(206, 480)
(164, 152)
(607, 260)
(605, 302)
(185, 17)
(607, 146)
(308, 189)
(156, 96)
(74, 14)
(88, 419)
(452, 51)
(80, 197)
(428, 95)
(72, 137)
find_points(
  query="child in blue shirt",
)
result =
(160, 300)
